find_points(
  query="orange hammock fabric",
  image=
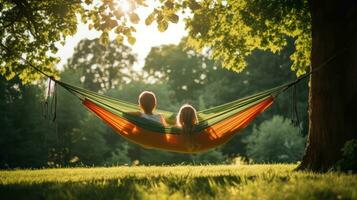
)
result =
(209, 138)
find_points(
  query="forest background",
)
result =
(178, 75)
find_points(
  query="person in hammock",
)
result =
(148, 102)
(186, 119)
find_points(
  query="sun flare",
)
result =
(124, 5)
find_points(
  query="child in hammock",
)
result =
(147, 102)
(186, 119)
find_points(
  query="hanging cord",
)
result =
(295, 107)
(295, 119)
(49, 106)
(44, 105)
(53, 110)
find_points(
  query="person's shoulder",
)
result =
(135, 113)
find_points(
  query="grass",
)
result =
(177, 182)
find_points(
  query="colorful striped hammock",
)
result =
(216, 125)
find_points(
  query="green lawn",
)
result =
(177, 182)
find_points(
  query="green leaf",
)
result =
(91, 26)
(193, 5)
(134, 18)
(169, 4)
(141, 2)
(162, 25)
(118, 13)
(119, 39)
(150, 19)
(88, 2)
(173, 18)
(131, 40)
(111, 24)
(160, 17)
(119, 29)
(104, 38)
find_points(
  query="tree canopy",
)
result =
(32, 29)
(230, 30)
(233, 29)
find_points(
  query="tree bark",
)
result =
(333, 87)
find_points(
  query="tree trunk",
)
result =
(333, 87)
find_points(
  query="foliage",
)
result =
(30, 30)
(210, 157)
(84, 138)
(130, 92)
(275, 140)
(119, 156)
(231, 30)
(185, 71)
(88, 146)
(177, 182)
(193, 76)
(156, 157)
(25, 137)
(102, 67)
(349, 157)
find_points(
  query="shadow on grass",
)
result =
(124, 188)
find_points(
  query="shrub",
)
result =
(119, 156)
(209, 157)
(275, 140)
(349, 157)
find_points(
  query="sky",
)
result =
(146, 37)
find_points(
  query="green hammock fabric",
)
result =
(207, 117)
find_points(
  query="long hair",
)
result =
(187, 118)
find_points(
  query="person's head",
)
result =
(147, 101)
(186, 118)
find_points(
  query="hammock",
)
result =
(216, 125)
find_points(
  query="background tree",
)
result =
(102, 67)
(98, 68)
(186, 71)
(25, 137)
(275, 141)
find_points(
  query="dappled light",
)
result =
(124, 5)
